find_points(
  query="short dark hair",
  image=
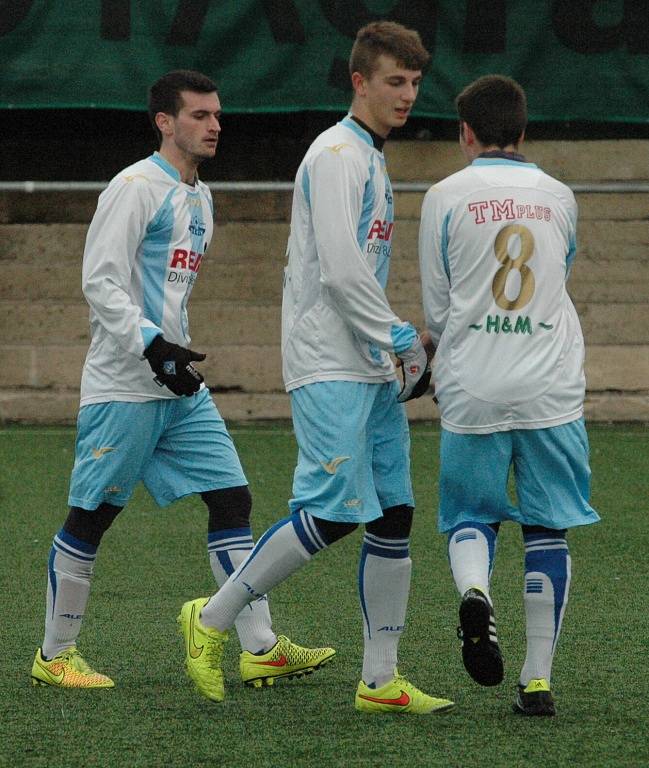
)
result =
(164, 94)
(391, 39)
(495, 107)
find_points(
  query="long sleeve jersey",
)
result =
(336, 321)
(496, 243)
(143, 251)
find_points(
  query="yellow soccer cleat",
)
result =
(68, 669)
(285, 659)
(398, 696)
(203, 650)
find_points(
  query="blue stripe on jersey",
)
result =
(444, 244)
(383, 259)
(166, 166)
(148, 334)
(155, 256)
(502, 161)
(572, 250)
(368, 207)
(306, 186)
(354, 126)
(209, 200)
(403, 337)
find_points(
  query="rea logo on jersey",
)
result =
(183, 259)
(382, 230)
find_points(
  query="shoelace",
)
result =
(78, 663)
(214, 651)
(295, 654)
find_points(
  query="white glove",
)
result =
(416, 372)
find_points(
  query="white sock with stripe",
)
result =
(547, 583)
(471, 554)
(384, 586)
(227, 550)
(69, 572)
(281, 551)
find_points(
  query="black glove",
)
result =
(172, 365)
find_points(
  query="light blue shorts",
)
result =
(551, 473)
(176, 447)
(354, 450)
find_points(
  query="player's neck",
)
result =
(510, 149)
(377, 139)
(185, 167)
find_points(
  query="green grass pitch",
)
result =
(152, 560)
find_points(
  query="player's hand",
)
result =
(415, 368)
(172, 365)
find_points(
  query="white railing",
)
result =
(287, 186)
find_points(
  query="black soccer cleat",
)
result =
(477, 631)
(535, 699)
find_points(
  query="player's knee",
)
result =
(228, 508)
(331, 530)
(90, 525)
(395, 523)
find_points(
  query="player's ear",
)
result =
(358, 83)
(164, 123)
(466, 133)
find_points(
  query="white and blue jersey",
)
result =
(143, 251)
(336, 321)
(496, 243)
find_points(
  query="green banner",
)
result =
(577, 59)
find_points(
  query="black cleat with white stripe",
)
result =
(535, 699)
(477, 631)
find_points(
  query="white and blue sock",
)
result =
(547, 583)
(471, 555)
(227, 550)
(383, 586)
(69, 572)
(281, 551)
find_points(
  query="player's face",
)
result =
(386, 98)
(196, 127)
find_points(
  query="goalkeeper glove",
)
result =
(416, 372)
(172, 365)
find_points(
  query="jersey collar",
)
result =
(498, 157)
(364, 131)
(166, 166)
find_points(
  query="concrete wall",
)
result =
(235, 306)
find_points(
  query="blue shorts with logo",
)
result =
(176, 447)
(550, 468)
(354, 450)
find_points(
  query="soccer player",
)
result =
(351, 429)
(145, 412)
(496, 244)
